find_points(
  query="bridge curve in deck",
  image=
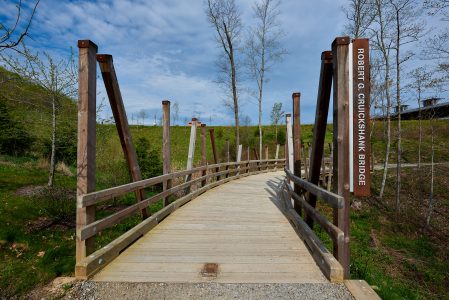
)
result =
(236, 226)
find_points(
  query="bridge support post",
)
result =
(203, 153)
(248, 155)
(214, 149)
(191, 153)
(276, 156)
(319, 130)
(227, 157)
(87, 94)
(340, 52)
(297, 145)
(121, 122)
(288, 122)
(166, 147)
(239, 158)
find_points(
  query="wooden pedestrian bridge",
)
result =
(245, 221)
(232, 225)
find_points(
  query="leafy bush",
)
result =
(65, 145)
(256, 132)
(281, 137)
(14, 139)
(57, 203)
(219, 133)
(149, 159)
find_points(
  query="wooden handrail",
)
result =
(93, 198)
(334, 232)
(102, 224)
(334, 200)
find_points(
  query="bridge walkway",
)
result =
(233, 233)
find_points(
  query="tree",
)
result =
(421, 81)
(381, 42)
(57, 78)
(432, 169)
(437, 46)
(224, 16)
(407, 30)
(263, 48)
(276, 115)
(11, 37)
(360, 15)
(175, 113)
(142, 114)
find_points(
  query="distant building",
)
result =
(403, 108)
(431, 108)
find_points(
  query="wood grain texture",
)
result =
(340, 51)
(86, 150)
(121, 121)
(236, 225)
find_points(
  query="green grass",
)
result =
(21, 268)
(394, 252)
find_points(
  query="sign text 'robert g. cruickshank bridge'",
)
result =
(244, 222)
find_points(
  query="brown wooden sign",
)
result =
(361, 117)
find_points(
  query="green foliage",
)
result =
(219, 133)
(149, 159)
(65, 145)
(14, 138)
(57, 203)
(281, 137)
(256, 131)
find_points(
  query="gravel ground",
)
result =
(88, 290)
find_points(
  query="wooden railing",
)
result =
(209, 176)
(331, 268)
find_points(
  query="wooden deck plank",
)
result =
(236, 226)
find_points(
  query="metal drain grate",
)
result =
(209, 270)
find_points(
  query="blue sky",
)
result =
(166, 50)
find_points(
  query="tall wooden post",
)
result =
(239, 158)
(249, 158)
(227, 156)
(297, 145)
(214, 149)
(191, 153)
(288, 122)
(266, 156)
(121, 121)
(166, 151)
(227, 151)
(340, 52)
(276, 156)
(87, 80)
(319, 130)
(203, 152)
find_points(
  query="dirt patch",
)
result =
(39, 224)
(30, 190)
(54, 290)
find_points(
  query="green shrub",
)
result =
(281, 137)
(57, 203)
(14, 139)
(65, 145)
(149, 159)
(219, 133)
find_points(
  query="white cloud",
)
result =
(166, 49)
